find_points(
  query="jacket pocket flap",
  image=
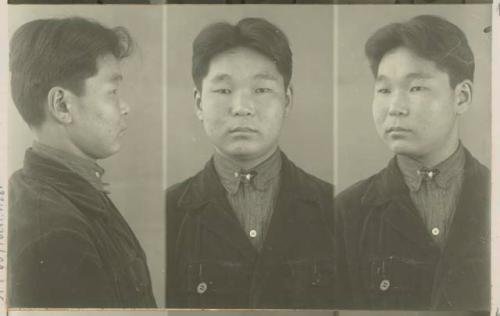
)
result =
(217, 276)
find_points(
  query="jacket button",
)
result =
(435, 231)
(253, 233)
(384, 285)
(201, 288)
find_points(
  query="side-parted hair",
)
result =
(253, 33)
(430, 37)
(58, 52)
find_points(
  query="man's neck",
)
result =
(57, 138)
(247, 164)
(432, 159)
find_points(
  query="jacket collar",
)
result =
(206, 185)
(266, 172)
(389, 183)
(73, 186)
(86, 168)
(449, 170)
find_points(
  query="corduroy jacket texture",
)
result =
(68, 244)
(212, 264)
(388, 260)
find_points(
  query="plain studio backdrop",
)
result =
(359, 152)
(135, 172)
(306, 138)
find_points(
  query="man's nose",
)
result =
(242, 104)
(398, 104)
(124, 107)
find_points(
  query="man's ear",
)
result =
(58, 105)
(463, 96)
(289, 99)
(197, 104)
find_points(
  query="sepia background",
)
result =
(359, 152)
(307, 137)
(134, 173)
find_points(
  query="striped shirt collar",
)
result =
(448, 169)
(266, 171)
(85, 168)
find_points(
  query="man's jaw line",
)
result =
(245, 161)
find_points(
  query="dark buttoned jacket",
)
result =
(68, 244)
(212, 264)
(387, 259)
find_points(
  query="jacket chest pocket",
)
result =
(216, 284)
(393, 281)
(312, 282)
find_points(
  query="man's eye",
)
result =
(417, 88)
(222, 91)
(262, 90)
(383, 91)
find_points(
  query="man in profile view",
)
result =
(68, 244)
(416, 235)
(251, 230)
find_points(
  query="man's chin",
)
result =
(243, 153)
(402, 148)
(106, 154)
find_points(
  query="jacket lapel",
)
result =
(470, 215)
(390, 195)
(291, 197)
(207, 195)
(469, 236)
(285, 223)
(219, 218)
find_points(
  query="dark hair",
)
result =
(254, 33)
(58, 52)
(430, 37)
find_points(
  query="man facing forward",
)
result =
(68, 244)
(416, 235)
(251, 230)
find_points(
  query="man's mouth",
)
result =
(122, 131)
(397, 129)
(242, 129)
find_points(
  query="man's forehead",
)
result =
(108, 66)
(242, 61)
(381, 77)
(403, 63)
(227, 76)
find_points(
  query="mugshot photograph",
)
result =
(412, 220)
(84, 227)
(252, 229)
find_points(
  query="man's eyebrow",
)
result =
(412, 75)
(265, 76)
(380, 78)
(419, 75)
(220, 77)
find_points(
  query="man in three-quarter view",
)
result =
(251, 230)
(68, 244)
(416, 235)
